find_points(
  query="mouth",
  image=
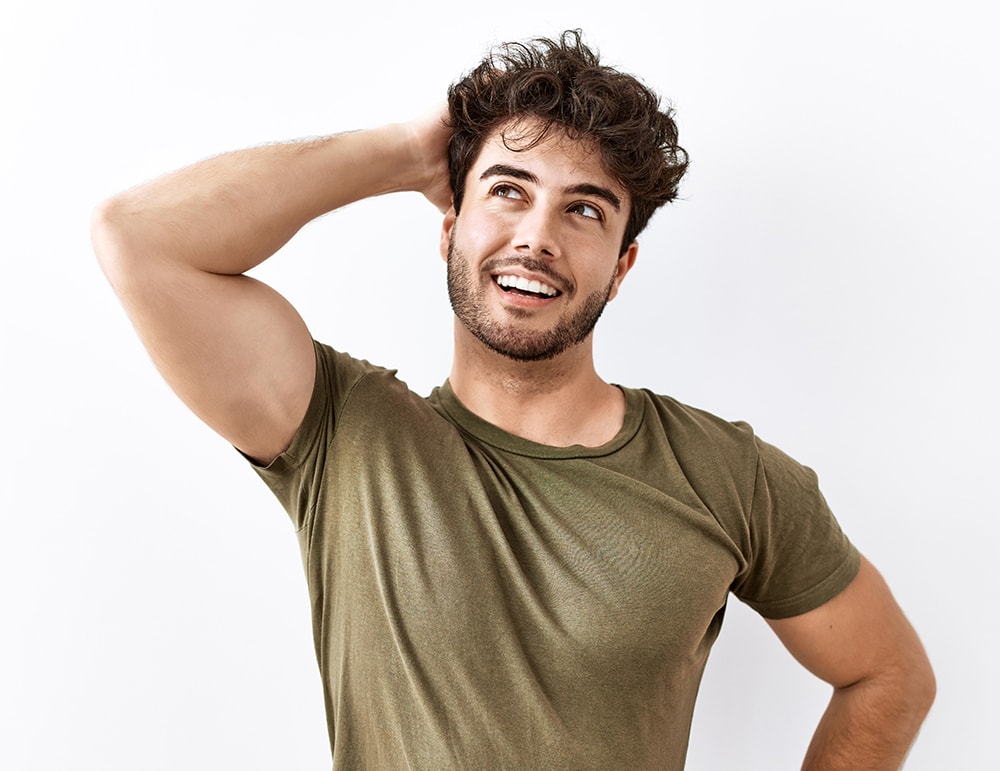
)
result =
(525, 287)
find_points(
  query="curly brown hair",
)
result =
(563, 84)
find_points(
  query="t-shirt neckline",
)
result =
(486, 432)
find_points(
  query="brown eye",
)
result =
(587, 210)
(504, 190)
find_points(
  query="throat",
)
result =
(555, 402)
(558, 420)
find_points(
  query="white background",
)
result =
(830, 276)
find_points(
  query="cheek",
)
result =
(478, 234)
(602, 272)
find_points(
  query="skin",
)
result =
(861, 643)
(175, 251)
(548, 213)
(507, 339)
(238, 354)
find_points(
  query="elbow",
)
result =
(919, 675)
(914, 684)
(924, 684)
(104, 227)
(108, 236)
(903, 690)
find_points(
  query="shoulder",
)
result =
(356, 395)
(696, 430)
(341, 377)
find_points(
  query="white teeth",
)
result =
(534, 286)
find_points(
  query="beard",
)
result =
(508, 338)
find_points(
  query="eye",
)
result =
(587, 210)
(506, 190)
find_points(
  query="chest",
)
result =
(558, 560)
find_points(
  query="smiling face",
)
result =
(535, 254)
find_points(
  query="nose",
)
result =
(537, 233)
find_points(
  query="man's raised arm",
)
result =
(175, 251)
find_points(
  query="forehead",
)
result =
(557, 158)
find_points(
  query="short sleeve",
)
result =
(799, 558)
(295, 476)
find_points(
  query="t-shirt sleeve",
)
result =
(294, 476)
(799, 558)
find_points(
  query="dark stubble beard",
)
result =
(507, 339)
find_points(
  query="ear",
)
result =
(625, 263)
(446, 229)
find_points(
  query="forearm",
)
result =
(871, 725)
(227, 214)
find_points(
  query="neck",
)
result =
(559, 402)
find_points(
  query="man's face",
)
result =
(534, 256)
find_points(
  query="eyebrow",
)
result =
(584, 188)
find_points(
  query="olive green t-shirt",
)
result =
(481, 601)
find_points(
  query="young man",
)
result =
(528, 568)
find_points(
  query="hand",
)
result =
(430, 134)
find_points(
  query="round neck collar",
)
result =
(492, 435)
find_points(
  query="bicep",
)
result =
(860, 634)
(233, 349)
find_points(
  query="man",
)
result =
(528, 568)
